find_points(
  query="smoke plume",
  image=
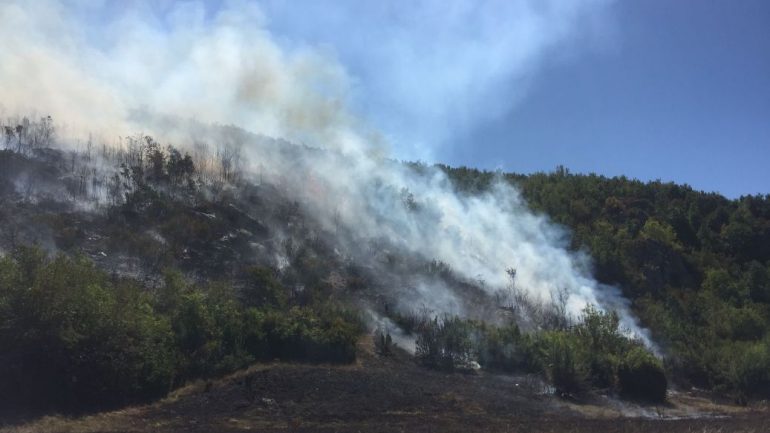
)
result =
(140, 67)
(434, 70)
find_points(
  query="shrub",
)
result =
(445, 344)
(336, 341)
(750, 372)
(75, 339)
(565, 364)
(592, 354)
(641, 376)
(263, 289)
(72, 337)
(597, 332)
(506, 348)
(302, 334)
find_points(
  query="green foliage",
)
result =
(641, 376)
(325, 335)
(750, 370)
(208, 330)
(592, 354)
(659, 231)
(263, 289)
(598, 333)
(565, 363)
(70, 336)
(74, 338)
(445, 343)
(695, 265)
(506, 348)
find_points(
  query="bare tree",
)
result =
(20, 133)
(9, 135)
(229, 156)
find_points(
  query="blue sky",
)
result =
(685, 97)
(677, 90)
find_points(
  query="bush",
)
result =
(641, 376)
(445, 344)
(72, 338)
(565, 364)
(750, 372)
(598, 333)
(505, 348)
(302, 334)
(592, 354)
(263, 289)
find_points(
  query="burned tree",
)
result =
(9, 135)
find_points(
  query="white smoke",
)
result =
(435, 69)
(224, 69)
(228, 69)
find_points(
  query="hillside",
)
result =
(130, 272)
(695, 265)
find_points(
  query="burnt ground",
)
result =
(396, 395)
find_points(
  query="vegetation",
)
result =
(73, 337)
(591, 354)
(640, 376)
(695, 265)
(446, 344)
(215, 288)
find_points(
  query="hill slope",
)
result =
(132, 272)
